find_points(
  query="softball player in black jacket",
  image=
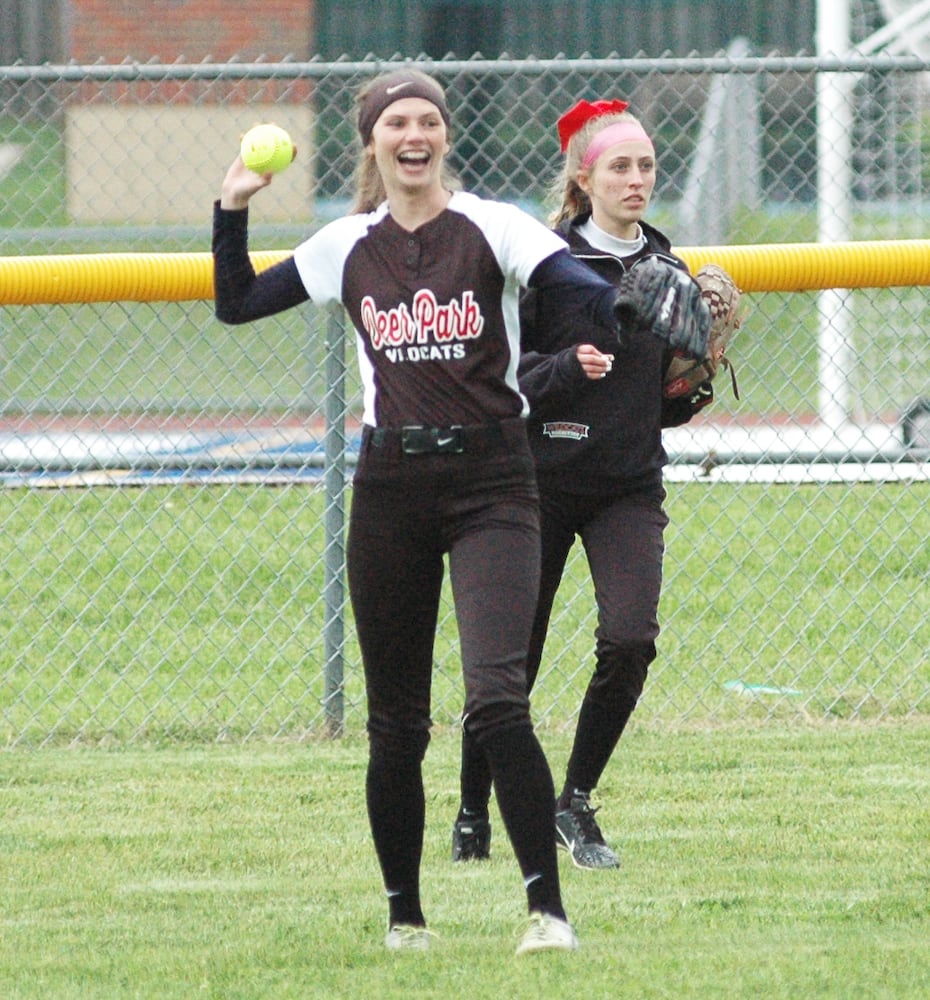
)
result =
(430, 278)
(595, 431)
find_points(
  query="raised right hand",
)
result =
(240, 184)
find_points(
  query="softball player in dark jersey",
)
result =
(430, 277)
(599, 457)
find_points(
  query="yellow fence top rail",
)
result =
(177, 277)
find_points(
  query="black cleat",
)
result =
(576, 831)
(471, 839)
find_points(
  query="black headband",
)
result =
(394, 87)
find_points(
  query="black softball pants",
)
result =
(623, 539)
(409, 511)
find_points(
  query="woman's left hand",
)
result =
(594, 363)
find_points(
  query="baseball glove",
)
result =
(665, 300)
(722, 296)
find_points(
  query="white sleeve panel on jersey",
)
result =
(321, 259)
(519, 241)
(367, 372)
(510, 308)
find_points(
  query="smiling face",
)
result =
(409, 142)
(620, 183)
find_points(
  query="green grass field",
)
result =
(765, 856)
(762, 862)
(196, 613)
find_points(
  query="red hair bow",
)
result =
(583, 112)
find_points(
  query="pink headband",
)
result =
(628, 131)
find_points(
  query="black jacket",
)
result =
(604, 436)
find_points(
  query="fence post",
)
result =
(334, 482)
(834, 211)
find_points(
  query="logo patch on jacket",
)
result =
(564, 429)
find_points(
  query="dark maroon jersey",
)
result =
(435, 310)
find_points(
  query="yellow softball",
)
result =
(267, 149)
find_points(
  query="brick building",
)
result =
(208, 30)
(174, 137)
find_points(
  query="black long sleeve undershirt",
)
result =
(573, 291)
(242, 295)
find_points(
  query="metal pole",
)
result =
(334, 483)
(834, 211)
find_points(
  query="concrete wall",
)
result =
(158, 153)
(155, 164)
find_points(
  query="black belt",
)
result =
(419, 440)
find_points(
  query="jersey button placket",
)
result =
(412, 255)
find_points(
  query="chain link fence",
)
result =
(174, 490)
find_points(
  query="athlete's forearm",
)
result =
(550, 378)
(240, 294)
(573, 302)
